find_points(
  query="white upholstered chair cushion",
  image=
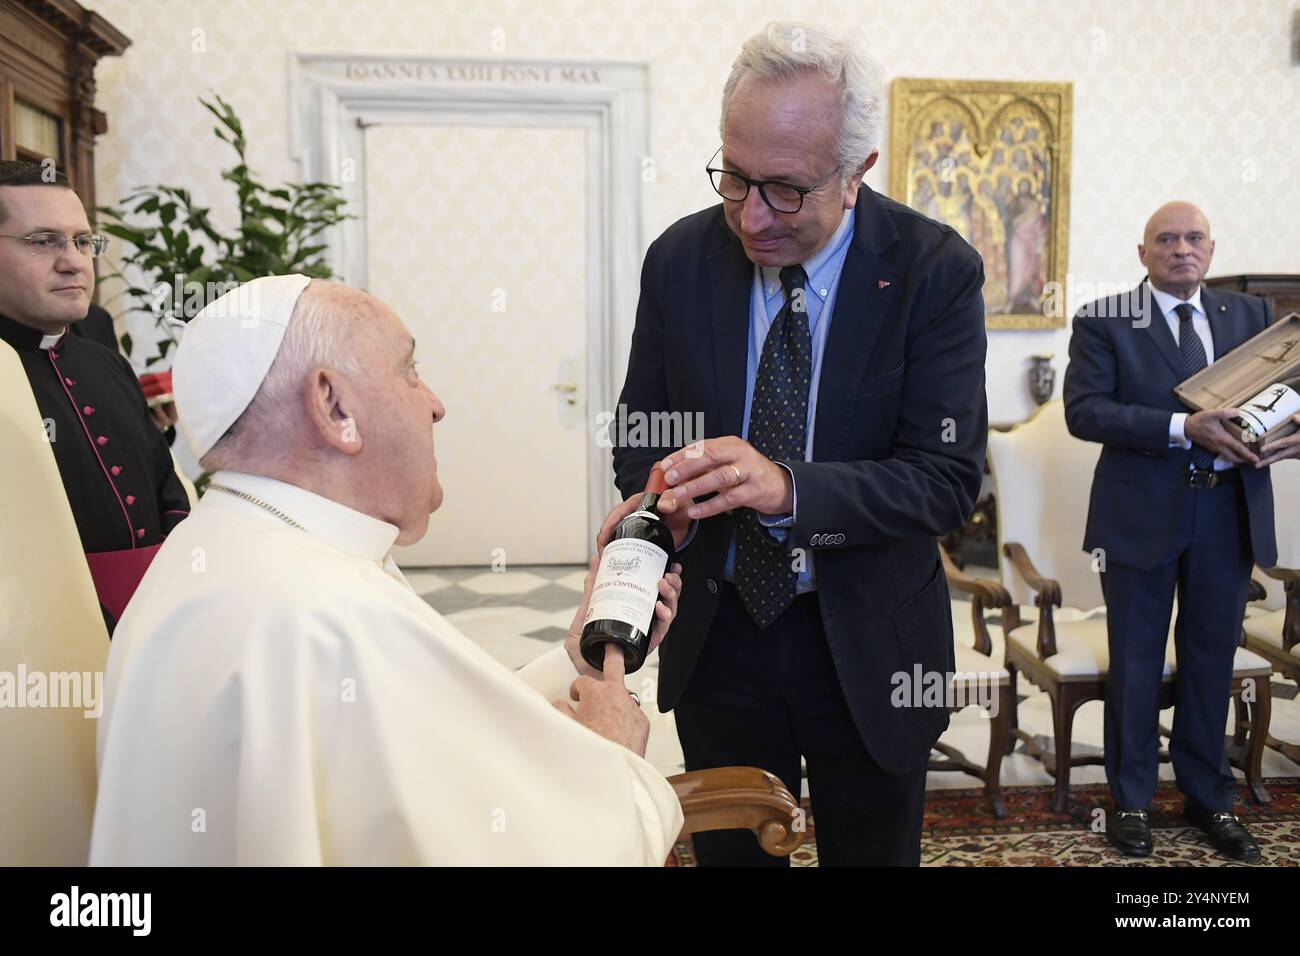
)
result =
(1266, 628)
(1264, 632)
(1082, 652)
(971, 662)
(1247, 663)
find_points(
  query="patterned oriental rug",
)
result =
(961, 831)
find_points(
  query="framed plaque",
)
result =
(1268, 358)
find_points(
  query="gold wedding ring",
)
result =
(737, 471)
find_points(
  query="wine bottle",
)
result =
(622, 606)
(1267, 410)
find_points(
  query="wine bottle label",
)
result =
(1270, 407)
(627, 583)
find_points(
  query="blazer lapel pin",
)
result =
(882, 283)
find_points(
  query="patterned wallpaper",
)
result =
(1191, 99)
(494, 334)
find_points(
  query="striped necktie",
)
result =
(1193, 349)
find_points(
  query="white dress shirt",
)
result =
(1201, 325)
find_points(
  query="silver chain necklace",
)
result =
(260, 503)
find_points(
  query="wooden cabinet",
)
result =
(48, 52)
(1281, 291)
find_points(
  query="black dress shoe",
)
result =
(1225, 833)
(1129, 831)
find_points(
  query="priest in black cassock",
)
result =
(116, 468)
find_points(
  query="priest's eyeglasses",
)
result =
(50, 245)
(780, 196)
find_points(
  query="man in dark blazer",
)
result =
(1178, 504)
(833, 341)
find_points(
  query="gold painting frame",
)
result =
(1024, 235)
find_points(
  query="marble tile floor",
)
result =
(519, 613)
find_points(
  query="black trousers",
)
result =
(764, 698)
(1210, 570)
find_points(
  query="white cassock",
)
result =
(283, 697)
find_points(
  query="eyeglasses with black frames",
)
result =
(779, 196)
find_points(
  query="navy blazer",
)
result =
(898, 445)
(1119, 390)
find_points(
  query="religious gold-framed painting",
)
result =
(992, 159)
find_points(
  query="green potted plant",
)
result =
(177, 261)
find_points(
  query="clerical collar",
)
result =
(24, 338)
(338, 525)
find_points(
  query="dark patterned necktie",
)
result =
(778, 428)
(1193, 349)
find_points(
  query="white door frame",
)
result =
(333, 97)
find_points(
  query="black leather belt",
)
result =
(1208, 478)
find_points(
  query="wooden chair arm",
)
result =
(1048, 590)
(1286, 575)
(992, 592)
(1291, 620)
(985, 593)
(1255, 591)
(741, 798)
(1048, 595)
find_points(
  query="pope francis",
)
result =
(276, 694)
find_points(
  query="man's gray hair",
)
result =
(781, 50)
(319, 335)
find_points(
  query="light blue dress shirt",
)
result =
(765, 301)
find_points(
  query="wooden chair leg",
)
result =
(1260, 713)
(999, 738)
(1014, 719)
(1241, 720)
(1062, 730)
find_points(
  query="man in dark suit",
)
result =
(1179, 504)
(833, 341)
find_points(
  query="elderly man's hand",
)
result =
(1213, 429)
(731, 466)
(1281, 448)
(164, 414)
(606, 707)
(670, 589)
(678, 523)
